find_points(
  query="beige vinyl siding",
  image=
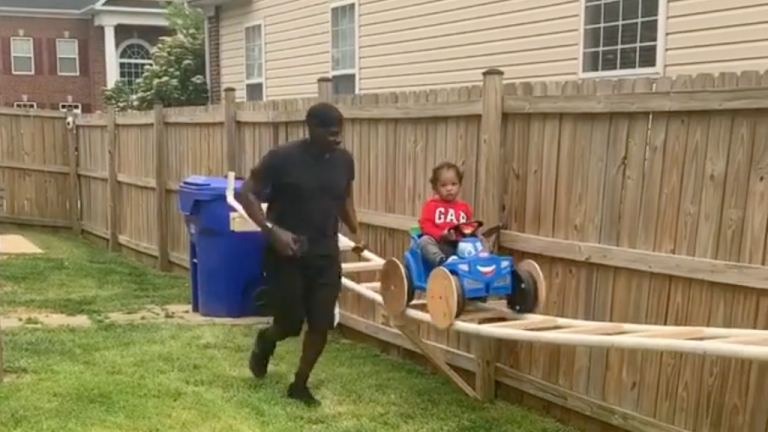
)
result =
(410, 44)
(296, 45)
(406, 43)
(711, 36)
(429, 43)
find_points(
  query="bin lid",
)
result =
(202, 188)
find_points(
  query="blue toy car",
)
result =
(479, 273)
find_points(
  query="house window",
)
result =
(25, 105)
(133, 57)
(22, 56)
(344, 48)
(67, 106)
(254, 62)
(621, 35)
(67, 52)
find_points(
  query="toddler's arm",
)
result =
(427, 221)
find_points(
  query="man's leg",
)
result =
(286, 299)
(431, 250)
(323, 287)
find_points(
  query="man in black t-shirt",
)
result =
(309, 184)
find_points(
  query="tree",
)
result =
(177, 74)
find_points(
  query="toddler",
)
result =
(441, 212)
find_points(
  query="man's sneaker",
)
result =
(302, 394)
(258, 363)
(262, 352)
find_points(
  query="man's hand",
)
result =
(284, 241)
(359, 247)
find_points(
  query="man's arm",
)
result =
(260, 179)
(348, 214)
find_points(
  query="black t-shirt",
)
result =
(306, 191)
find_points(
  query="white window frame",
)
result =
(125, 45)
(661, 48)
(263, 79)
(31, 56)
(25, 105)
(76, 57)
(66, 106)
(356, 69)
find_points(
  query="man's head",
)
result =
(324, 122)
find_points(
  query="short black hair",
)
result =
(324, 115)
(445, 166)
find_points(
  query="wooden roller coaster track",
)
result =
(495, 321)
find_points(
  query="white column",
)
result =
(110, 55)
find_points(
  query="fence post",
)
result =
(490, 198)
(489, 187)
(230, 129)
(325, 89)
(163, 259)
(74, 181)
(112, 186)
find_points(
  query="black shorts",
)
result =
(302, 289)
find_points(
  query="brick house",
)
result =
(59, 54)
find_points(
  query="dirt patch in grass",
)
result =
(181, 314)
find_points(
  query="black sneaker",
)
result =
(262, 352)
(302, 394)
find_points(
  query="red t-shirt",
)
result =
(438, 215)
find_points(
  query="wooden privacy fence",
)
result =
(644, 200)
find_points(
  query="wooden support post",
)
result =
(74, 181)
(432, 354)
(113, 188)
(325, 89)
(230, 130)
(486, 354)
(163, 258)
(489, 190)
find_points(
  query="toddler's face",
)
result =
(448, 185)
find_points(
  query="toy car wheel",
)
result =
(529, 288)
(395, 290)
(445, 298)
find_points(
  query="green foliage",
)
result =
(177, 74)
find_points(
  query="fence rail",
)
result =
(644, 201)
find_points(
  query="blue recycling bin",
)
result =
(225, 266)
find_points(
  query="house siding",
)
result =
(410, 44)
(296, 45)
(427, 43)
(711, 36)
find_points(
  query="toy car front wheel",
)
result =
(445, 298)
(528, 289)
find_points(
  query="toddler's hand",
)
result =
(448, 235)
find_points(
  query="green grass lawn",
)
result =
(73, 277)
(147, 377)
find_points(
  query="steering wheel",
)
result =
(466, 229)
